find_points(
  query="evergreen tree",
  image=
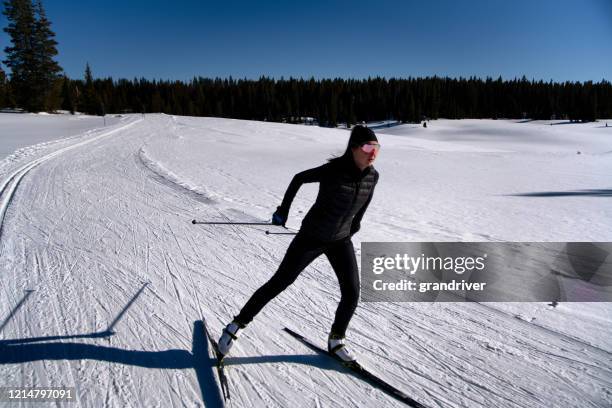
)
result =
(89, 99)
(30, 56)
(20, 55)
(47, 69)
(412, 114)
(68, 95)
(156, 103)
(3, 89)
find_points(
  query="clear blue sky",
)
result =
(542, 39)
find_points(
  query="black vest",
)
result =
(343, 192)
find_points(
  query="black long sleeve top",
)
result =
(344, 195)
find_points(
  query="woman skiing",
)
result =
(346, 186)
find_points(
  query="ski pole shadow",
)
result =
(125, 309)
(312, 360)
(25, 297)
(96, 335)
(109, 331)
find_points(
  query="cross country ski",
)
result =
(361, 371)
(219, 363)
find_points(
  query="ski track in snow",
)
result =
(99, 229)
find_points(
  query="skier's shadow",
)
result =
(25, 350)
(37, 349)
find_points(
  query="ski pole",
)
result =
(245, 223)
(280, 233)
(230, 223)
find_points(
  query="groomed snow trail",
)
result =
(104, 281)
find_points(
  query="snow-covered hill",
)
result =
(105, 280)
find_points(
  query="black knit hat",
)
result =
(360, 135)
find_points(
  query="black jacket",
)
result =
(344, 195)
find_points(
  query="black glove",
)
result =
(279, 217)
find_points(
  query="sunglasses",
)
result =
(369, 148)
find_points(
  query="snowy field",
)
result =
(105, 279)
(24, 130)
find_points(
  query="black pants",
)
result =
(301, 252)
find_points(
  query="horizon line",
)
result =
(320, 78)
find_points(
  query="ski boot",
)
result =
(230, 333)
(337, 348)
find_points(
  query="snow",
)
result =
(99, 229)
(20, 130)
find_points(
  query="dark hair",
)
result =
(359, 135)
